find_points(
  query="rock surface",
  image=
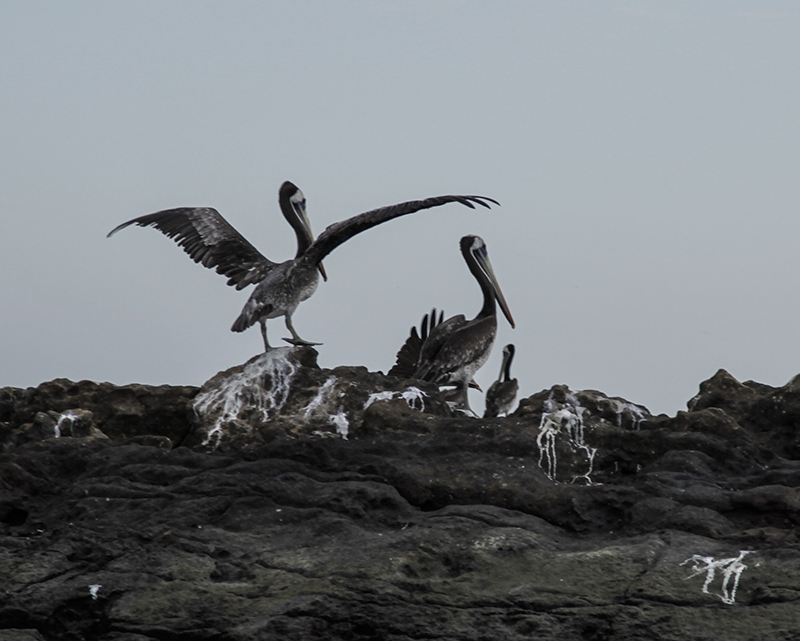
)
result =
(283, 501)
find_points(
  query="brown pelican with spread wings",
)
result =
(211, 240)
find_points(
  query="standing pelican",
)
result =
(457, 348)
(211, 240)
(502, 393)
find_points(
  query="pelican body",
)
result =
(502, 393)
(457, 348)
(209, 239)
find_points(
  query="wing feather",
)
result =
(408, 355)
(451, 344)
(210, 240)
(338, 233)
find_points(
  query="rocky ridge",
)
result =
(284, 501)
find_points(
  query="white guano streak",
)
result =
(321, 401)
(567, 420)
(243, 388)
(70, 416)
(730, 568)
(413, 396)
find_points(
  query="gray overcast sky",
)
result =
(646, 155)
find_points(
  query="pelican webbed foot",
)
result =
(299, 342)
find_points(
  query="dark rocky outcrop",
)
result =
(283, 501)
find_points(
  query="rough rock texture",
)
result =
(241, 511)
(283, 392)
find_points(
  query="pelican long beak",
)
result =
(486, 266)
(322, 271)
(299, 207)
(504, 306)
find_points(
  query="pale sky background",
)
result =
(646, 155)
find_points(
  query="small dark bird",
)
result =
(209, 239)
(457, 348)
(502, 393)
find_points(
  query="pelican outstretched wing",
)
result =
(337, 233)
(408, 355)
(418, 348)
(210, 240)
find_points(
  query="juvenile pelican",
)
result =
(457, 348)
(209, 239)
(502, 393)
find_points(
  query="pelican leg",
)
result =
(465, 396)
(463, 404)
(295, 339)
(267, 346)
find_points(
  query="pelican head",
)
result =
(293, 206)
(475, 253)
(508, 356)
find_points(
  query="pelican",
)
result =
(211, 240)
(501, 394)
(457, 348)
